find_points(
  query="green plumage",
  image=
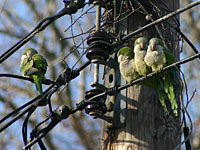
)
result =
(34, 66)
(169, 78)
(158, 57)
(126, 51)
(127, 64)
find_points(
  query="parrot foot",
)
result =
(161, 69)
(145, 76)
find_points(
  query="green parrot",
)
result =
(33, 66)
(140, 50)
(127, 64)
(158, 57)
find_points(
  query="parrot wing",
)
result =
(40, 63)
(30, 71)
(26, 64)
(170, 57)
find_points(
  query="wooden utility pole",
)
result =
(146, 127)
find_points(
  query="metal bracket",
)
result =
(118, 102)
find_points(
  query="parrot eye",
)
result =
(22, 58)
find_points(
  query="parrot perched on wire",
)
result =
(34, 66)
(158, 57)
(140, 50)
(129, 72)
(127, 64)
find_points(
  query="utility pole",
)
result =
(145, 126)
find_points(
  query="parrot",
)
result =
(155, 51)
(158, 57)
(127, 64)
(34, 66)
(140, 50)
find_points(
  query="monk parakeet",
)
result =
(34, 66)
(140, 50)
(127, 64)
(158, 57)
(155, 57)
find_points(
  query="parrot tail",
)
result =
(38, 83)
(163, 97)
(169, 89)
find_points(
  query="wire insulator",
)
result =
(99, 45)
(99, 103)
(62, 112)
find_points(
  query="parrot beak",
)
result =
(142, 45)
(153, 47)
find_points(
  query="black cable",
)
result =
(187, 40)
(15, 119)
(186, 134)
(49, 98)
(41, 145)
(59, 114)
(16, 77)
(45, 131)
(68, 74)
(34, 133)
(25, 124)
(26, 105)
(45, 81)
(83, 66)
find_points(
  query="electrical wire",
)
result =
(25, 124)
(162, 19)
(20, 108)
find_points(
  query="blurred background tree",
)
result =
(19, 17)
